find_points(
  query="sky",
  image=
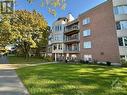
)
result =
(75, 7)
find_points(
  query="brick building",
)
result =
(97, 34)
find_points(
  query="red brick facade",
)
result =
(103, 34)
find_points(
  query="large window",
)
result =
(86, 21)
(121, 25)
(57, 28)
(120, 9)
(87, 32)
(87, 44)
(122, 41)
(58, 37)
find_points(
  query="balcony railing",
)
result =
(75, 48)
(72, 38)
(72, 28)
(71, 50)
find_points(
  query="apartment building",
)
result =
(57, 37)
(120, 14)
(72, 40)
(97, 34)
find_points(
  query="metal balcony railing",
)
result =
(71, 39)
(75, 27)
(74, 50)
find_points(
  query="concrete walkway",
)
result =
(10, 84)
(17, 66)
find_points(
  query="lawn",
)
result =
(74, 79)
(22, 60)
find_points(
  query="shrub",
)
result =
(94, 62)
(108, 63)
(82, 61)
(123, 62)
(87, 62)
(47, 58)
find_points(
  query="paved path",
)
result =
(16, 66)
(10, 84)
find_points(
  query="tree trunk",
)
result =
(27, 50)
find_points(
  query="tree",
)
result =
(52, 5)
(7, 6)
(5, 31)
(27, 29)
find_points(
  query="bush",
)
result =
(47, 58)
(123, 62)
(94, 62)
(82, 61)
(87, 62)
(108, 63)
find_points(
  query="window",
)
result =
(120, 9)
(87, 44)
(86, 21)
(55, 28)
(87, 57)
(60, 27)
(125, 41)
(55, 47)
(118, 26)
(121, 25)
(122, 41)
(60, 46)
(87, 32)
(58, 37)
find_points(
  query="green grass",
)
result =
(74, 79)
(22, 60)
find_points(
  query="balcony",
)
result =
(72, 38)
(72, 41)
(72, 29)
(70, 50)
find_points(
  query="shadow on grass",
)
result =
(22, 60)
(73, 79)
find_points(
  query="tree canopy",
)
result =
(51, 5)
(25, 29)
(7, 6)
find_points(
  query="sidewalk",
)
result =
(16, 66)
(10, 84)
